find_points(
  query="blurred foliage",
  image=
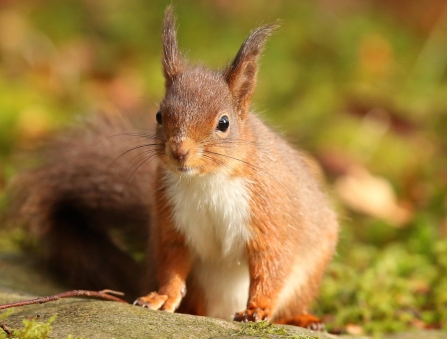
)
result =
(362, 85)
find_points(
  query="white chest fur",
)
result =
(213, 212)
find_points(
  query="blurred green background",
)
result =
(361, 85)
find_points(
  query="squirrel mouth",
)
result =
(185, 169)
(188, 170)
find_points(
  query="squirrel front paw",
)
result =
(155, 301)
(252, 313)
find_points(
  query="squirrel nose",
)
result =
(180, 153)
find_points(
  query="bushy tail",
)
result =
(83, 201)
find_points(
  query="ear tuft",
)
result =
(240, 75)
(173, 63)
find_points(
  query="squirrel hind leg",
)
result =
(86, 256)
(308, 321)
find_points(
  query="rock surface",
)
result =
(21, 278)
(105, 319)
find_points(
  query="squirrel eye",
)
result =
(158, 117)
(223, 124)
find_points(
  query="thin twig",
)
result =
(104, 294)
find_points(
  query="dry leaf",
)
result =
(372, 195)
(354, 329)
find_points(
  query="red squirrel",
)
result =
(238, 225)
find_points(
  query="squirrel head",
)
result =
(201, 118)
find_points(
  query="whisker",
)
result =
(234, 158)
(150, 157)
(226, 142)
(134, 134)
(130, 150)
(137, 156)
(217, 161)
(223, 144)
(135, 148)
(152, 153)
(250, 165)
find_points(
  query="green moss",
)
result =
(402, 284)
(266, 329)
(32, 329)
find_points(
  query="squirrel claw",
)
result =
(153, 301)
(254, 314)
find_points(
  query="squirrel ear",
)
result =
(241, 74)
(173, 63)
